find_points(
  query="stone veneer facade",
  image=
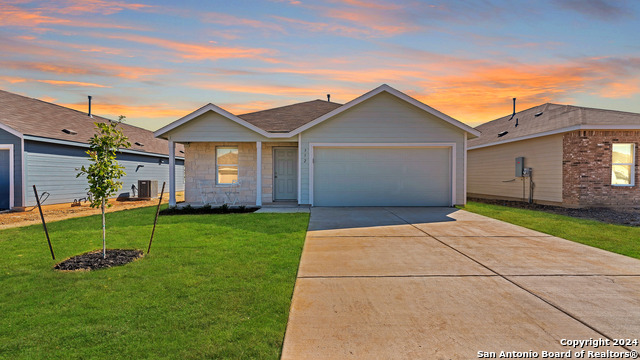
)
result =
(586, 169)
(200, 164)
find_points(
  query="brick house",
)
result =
(579, 157)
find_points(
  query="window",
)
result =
(226, 165)
(622, 164)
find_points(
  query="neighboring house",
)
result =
(43, 144)
(382, 149)
(580, 157)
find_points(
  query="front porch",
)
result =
(240, 174)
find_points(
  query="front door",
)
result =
(285, 173)
(5, 180)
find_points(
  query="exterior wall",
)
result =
(53, 168)
(490, 169)
(383, 119)
(7, 138)
(211, 126)
(200, 164)
(587, 169)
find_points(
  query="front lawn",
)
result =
(620, 239)
(213, 286)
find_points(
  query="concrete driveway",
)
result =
(441, 283)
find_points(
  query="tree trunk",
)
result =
(104, 243)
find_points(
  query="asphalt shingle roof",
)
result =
(551, 117)
(290, 117)
(39, 118)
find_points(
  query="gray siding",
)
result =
(53, 168)
(214, 127)
(7, 138)
(384, 119)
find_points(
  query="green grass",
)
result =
(213, 286)
(620, 239)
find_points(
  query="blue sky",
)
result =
(157, 61)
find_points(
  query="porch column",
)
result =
(259, 173)
(172, 173)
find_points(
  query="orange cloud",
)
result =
(325, 27)
(76, 7)
(622, 89)
(97, 69)
(309, 93)
(381, 22)
(231, 20)
(194, 51)
(151, 116)
(34, 18)
(72, 83)
(370, 4)
(12, 79)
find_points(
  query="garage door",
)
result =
(381, 177)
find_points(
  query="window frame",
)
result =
(632, 164)
(218, 165)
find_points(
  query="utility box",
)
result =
(147, 189)
(519, 166)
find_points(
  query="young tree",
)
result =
(104, 172)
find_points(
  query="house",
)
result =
(578, 156)
(383, 148)
(43, 144)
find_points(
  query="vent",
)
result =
(538, 114)
(139, 143)
(501, 134)
(69, 131)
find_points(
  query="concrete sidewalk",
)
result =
(441, 283)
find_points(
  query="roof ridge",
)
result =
(284, 106)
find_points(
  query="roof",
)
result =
(29, 116)
(290, 117)
(288, 121)
(551, 119)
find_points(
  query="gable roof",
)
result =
(37, 118)
(551, 119)
(290, 117)
(288, 121)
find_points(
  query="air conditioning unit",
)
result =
(147, 188)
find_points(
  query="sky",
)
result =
(156, 61)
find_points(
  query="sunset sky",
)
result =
(156, 61)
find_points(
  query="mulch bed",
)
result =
(628, 217)
(93, 260)
(207, 209)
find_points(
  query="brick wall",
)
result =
(586, 169)
(200, 164)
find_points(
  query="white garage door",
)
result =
(381, 176)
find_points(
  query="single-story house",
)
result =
(578, 156)
(43, 144)
(383, 148)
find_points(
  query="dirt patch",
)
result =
(628, 217)
(93, 260)
(66, 211)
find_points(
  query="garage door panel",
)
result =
(381, 177)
